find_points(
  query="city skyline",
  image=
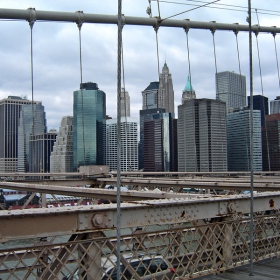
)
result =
(56, 53)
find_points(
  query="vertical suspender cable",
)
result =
(214, 47)
(189, 62)
(156, 30)
(119, 61)
(260, 68)
(274, 34)
(127, 152)
(251, 143)
(239, 66)
(79, 24)
(31, 24)
(32, 20)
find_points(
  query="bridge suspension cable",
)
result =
(79, 25)
(127, 20)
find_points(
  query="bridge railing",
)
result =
(187, 250)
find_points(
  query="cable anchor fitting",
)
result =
(213, 29)
(32, 17)
(187, 27)
(256, 31)
(273, 32)
(237, 29)
(81, 19)
(157, 25)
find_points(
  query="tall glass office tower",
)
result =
(26, 129)
(89, 114)
(11, 139)
(231, 88)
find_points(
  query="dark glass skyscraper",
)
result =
(260, 102)
(159, 146)
(89, 114)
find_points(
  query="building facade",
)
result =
(260, 102)
(125, 104)
(202, 143)
(145, 115)
(271, 143)
(160, 148)
(40, 148)
(10, 111)
(188, 91)
(275, 105)
(231, 88)
(89, 114)
(166, 92)
(129, 144)
(62, 155)
(150, 96)
(238, 140)
(26, 128)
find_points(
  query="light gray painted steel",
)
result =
(128, 20)
(39, 222)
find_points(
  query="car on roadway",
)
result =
(151, 266)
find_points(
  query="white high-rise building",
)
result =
(61, 159)
(129, 144)
(231, 88)
(125, 104)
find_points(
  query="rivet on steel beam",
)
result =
(97, 220)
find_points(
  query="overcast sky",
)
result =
(56, 52)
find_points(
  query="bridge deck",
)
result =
(263, 270)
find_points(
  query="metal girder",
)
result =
(129, 20)
(39, 222)
(91, 192)
(181, 183)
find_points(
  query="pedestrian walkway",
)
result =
(263, 270)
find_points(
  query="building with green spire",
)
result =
(188, 91)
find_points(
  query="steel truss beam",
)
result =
(40, 222)
(196, 183)
(91, 192)
(127, 20)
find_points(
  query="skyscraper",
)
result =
(40, 148)
(188, 91)
(202, 143)
(260, 102)
(129, 144)
(125, 104)
(26, 128)
(166, 92)
(159, 146)
(238, 140)
(10, 112)
(271, 143)
(275, 105)
(150, 96)
(231, 88)
(62, 154)
(145, 115)
(89, 114)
